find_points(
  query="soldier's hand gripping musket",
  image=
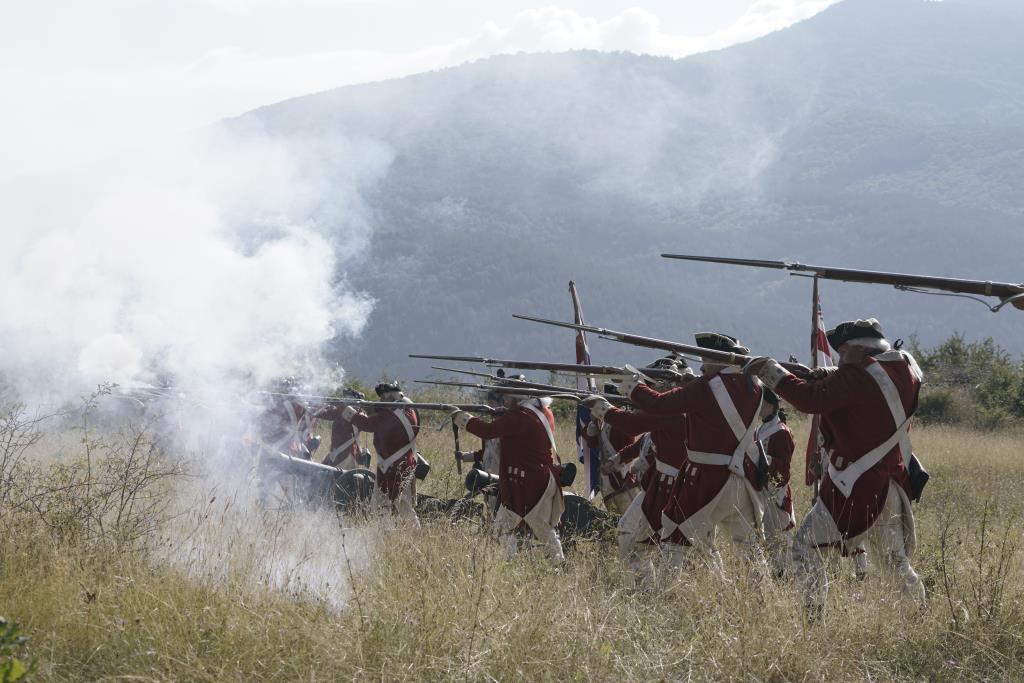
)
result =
(1006, 292)
(723, 357)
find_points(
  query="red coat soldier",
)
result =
(528, 479)
(394, 438)
(285, 424)
(487, 457)
(619, 485)
(345, 452)
(717, 484)
(660, 455)
(777, 445)
(865, 406)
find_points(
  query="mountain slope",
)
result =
(885, 134)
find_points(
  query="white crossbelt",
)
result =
(544, 421)
(607, 449)
(744, 433)
(640, 465)
(845, 479)
(765, 432)
(386, 464)
(646, 445)
(293, 432)
(665, 468)
(341, 449)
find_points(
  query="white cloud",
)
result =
(70, 116)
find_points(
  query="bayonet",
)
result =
(1006, 292)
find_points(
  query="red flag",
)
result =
(587, 455)
(821, 357)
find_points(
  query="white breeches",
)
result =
(633, 531)
(893, 536)
(778, 531)
(403, 507)
(736, 508)
(541, 519)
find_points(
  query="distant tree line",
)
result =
(974, 383)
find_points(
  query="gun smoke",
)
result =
(211, 264)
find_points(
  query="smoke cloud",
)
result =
(210, 259)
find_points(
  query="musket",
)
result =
(458, 459)
(1006, 292)
(512, 382)
(569, 368)
(554, 392)
(723, 357)
(444, 407)
(363, 403)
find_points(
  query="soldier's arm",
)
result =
(841, 389)
(674, 401)
(630, 452)
(369, 423)
(780, 448)
(505, 425)
(592, 440)
(633, 423)
(329, 413)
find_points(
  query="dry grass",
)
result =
(224, 591)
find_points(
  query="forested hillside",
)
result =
(884, 134)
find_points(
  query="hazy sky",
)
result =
(83, 79)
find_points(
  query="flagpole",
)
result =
(587, 455)
(820, 356)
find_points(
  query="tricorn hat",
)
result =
(610, 388)
(854, 329)
(664, 363)
(720, 342)
(387, 387)
(349, 392)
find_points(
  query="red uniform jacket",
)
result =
(527, 458)
(855, 418)
(706, 431)
(281, 426)
(779, 448)
(668, 445)
(618, 440)
(389, 438)
(344, 437)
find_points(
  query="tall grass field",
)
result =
(123, 562)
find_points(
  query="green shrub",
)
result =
(11, 668)
(976, 383)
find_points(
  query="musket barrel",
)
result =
(1001, 290)
(444, 407)
(723, 357)
(542, 365)
(524, 389)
